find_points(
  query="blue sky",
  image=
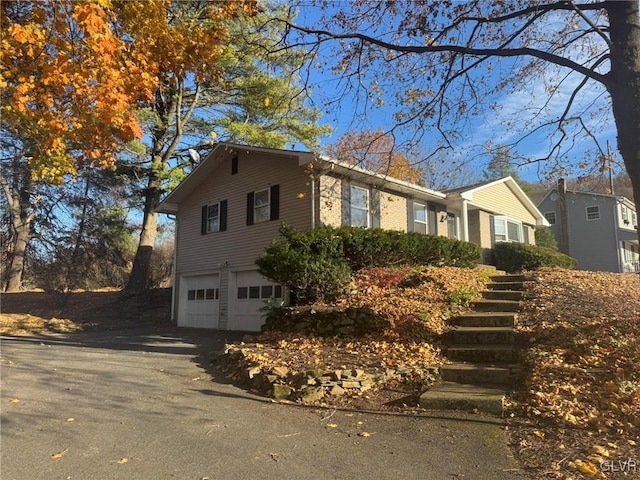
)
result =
(513, 108)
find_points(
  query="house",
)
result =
(233, 203)
(598, 230)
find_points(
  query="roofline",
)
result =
(169, 203)
(522, 196)
(624, 199)
(402, 185)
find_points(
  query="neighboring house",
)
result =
(232, 205)
(598, 230)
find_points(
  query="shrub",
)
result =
(317, 263)
(545, 238)
(311, 266)
(514, 257)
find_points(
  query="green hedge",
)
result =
(317, 263)
(516, 257)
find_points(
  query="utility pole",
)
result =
(609, 167)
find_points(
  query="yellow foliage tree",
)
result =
(69, 88)
(374, 150)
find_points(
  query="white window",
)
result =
(213, 218)
(551, 217)
(359, 206)
(634, 219)
(625, 213)
(419, 218)
(507, 230)
(593, 212)
(261, 206)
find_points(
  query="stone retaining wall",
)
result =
(314, 385)
(326, 323)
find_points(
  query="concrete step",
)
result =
(457, 396)
(481, 373)
(473, 353)
(495, 305)
(485, 319)
(502, 295)
(507, 278)
(483, 335)
(505, 286)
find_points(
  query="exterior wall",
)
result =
(330, 200)
(240, 244)
(591, 242)
(500, 198)
(393, 211)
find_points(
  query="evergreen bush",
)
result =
(317, 264)
(516, 257)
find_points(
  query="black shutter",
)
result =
(346, 203)
(275, 202)
(432, 221)
(492, 224)
(223, 215)
(375, 208)
(234, 164)
(203, 224)
(410, 217)
(250, 200)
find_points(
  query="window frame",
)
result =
(503, 218)
(359, 209)
(210, 217)
(266, 206)
(423, 224)
(555, 217)
(593, 216)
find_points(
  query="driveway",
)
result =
(146, 404)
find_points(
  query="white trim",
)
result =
(586, 211)
(366, 209)
(507, 220)
(555, 217)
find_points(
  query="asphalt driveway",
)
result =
(146, 404)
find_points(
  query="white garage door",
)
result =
(199, 301)
(252, 292)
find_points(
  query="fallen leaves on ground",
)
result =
(416, 303)
(583, 381)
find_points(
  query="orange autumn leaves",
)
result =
(73, 74)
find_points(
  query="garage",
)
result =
(199, 301)
(250, 294)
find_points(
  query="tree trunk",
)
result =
(16, 267)
(142, 261)
(22, 207)
(624, 85)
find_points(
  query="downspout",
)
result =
(617, 239)
(313, 202)
(173, 271)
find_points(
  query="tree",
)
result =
(501, 165)
(376, 151)
(69, 91)
(443, 61)
(245, 94)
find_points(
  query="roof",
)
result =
(211, 162)
(324, 165)
(466, 193)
